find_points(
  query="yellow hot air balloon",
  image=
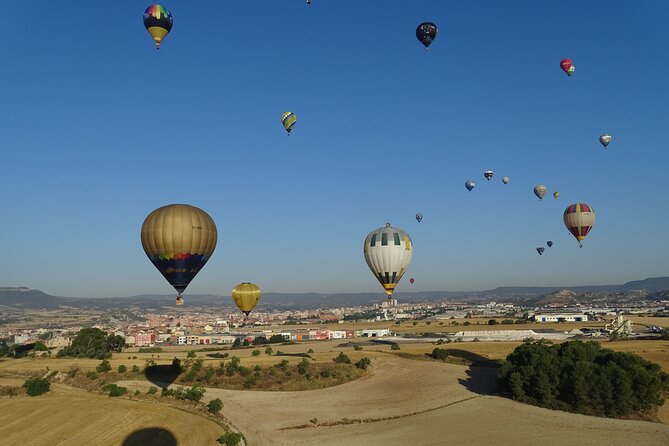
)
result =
(179, 239)
(288, 119)
(246, 296)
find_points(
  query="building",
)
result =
(145, 339)
(561, 317)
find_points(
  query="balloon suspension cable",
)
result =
(580, 245)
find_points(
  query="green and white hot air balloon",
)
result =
(388, 253)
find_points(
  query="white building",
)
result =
(561, 317)
(376, 333)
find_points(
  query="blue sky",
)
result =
(97, 129)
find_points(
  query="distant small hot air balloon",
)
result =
(540, 250)
(579, 218)
(567, 66)
(246, 296)
(158, 22)
(505, 180)
(419, 217)
(488, 174)
(540, 190)
(412, 280)
(426, 32)
(469, 184)
(288, 119)
(549, 243)
(605, 139)
(556, 195)
(388, 253)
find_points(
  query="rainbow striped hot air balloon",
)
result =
(158, 22)
(579, 218)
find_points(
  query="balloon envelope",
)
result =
(549, 243)
(556, 195)
(567, 66)
(179, 239)
(412, 280)
(505, 180)
(426, 32)
(388, 253)
(488, 174)
(288, 119)
(246, 296)
(158, 22)
(579, 218)
(541, 250)
(605, 139)
(469, 184)
(419, 217)
(540, 190)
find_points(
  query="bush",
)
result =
(303, 366)
(122, 368)
(582, 377)
(439, 353)
(492, 322)
(135, 369)
(36, 386)
(311, 350)
(255, 353)
(191, 354)
(269, 351)
(73, 371)
(150, 350)
(363, 363)
(103, 367)
(195, 393)
(230, 438)
(114, 390)
(215, 406)
(357, 347)
(342, 359)
(91, 375)
(152, 390)
(394, 346)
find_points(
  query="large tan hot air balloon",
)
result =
(179, 239)
(388, 253)
(246, 296)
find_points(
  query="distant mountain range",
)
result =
(21, 297)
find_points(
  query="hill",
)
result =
(22, 297)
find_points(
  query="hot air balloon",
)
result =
(579, 218)
(469, 184)
(567, 66)
(540, 250)
(419, 217)
(505, 180)
(540, 190)
(288, 119)
(412, 280)
(556, 195)
(388, 253)
(605, 139)
(549, 243)
(487, 174)
(158, 22)
(179, 239)
(246, 296)
(426, 33)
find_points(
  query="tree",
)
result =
(440, 354)
(269, 351)
(255, 353)
(114, 390)
(303, 366)
(394, 346)
(215, 405)
(237, 343)
(36, 386)
(93, 343)
(195, 393)
(122, 368)
(103, 367)
(492, 322)
(230, 438)
(191, 354)
(363, 363)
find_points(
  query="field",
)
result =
(401, 401)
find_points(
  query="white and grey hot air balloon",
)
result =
(540, 190)
(605, 139)
(388, 253)
(505, 180)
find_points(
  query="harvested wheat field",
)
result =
(67, 416)
(415, 402)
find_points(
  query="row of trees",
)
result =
(93, 343)
(582, 377)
